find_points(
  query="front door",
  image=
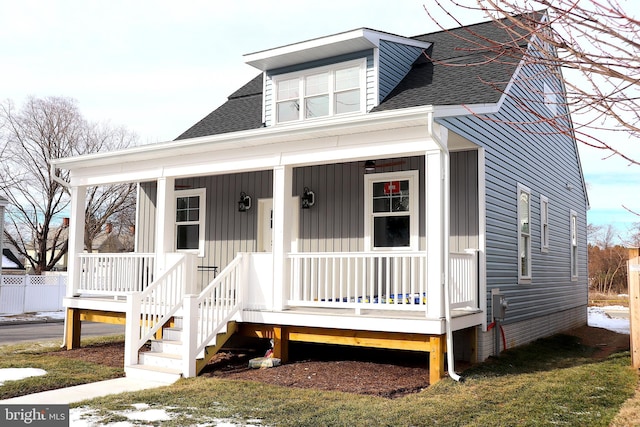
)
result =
(265, 224)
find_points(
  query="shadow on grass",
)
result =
(545, 354)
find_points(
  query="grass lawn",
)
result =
(61, 371)
(552, 381)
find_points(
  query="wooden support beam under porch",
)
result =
(435, 345)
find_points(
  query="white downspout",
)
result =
(446, 212)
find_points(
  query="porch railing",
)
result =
(115, 274)
(207, 314)
(381, 281)
(377, 280)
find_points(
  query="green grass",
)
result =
(550, 382)
(61, 371)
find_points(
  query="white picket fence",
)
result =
(28, 294)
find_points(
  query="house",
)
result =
(359, 190)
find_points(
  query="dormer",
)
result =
(344, 74)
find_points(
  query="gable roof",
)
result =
(10, 261)
(442, 75)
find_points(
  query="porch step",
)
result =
(160, 359)
(155, 373)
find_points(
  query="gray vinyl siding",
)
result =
(146, 226)
(546, 162)
(269, 96)
(464, 220)
(395, 62)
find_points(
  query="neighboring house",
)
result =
(353, 193)
(10, 262)
(109, 240)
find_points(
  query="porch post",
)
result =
(434, 221)
(165, 211)
(76, 238)
(282, 213)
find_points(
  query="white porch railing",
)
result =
(375, 280)
(207, 314)
(463, 279)
(389, 280)
(115, 274)
(149, 310)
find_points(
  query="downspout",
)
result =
(446, 212)
(64, 184)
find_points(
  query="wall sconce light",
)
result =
(308, 198)
(369, 166)
(244, 204)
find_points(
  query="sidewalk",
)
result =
(85, 391)
(24, 318)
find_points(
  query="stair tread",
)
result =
(156, 369)
(164, 354)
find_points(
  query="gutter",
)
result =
(446, 208)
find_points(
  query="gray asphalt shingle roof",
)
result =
(458, 69)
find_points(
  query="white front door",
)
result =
(265, 224)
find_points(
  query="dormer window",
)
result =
(321, 92)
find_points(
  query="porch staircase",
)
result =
(163, 361)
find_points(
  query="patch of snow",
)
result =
(7, 263)
(598, 318)
(14, 374)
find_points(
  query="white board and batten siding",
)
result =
(547, 163)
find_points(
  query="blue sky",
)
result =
(157, 67)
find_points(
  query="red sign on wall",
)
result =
(392, 187)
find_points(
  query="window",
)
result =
(574, 245)
(524, 233)
(190, 205)
(321, 92)
(544, 224)
(391, 209)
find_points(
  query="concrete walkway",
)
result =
(85, 391)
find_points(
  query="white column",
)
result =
(165, 220)
(282, 220)
(3, 204)
(76, 238)
(435, 225)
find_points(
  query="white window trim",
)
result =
(544, 224)
(301, 75)
(202, 193)
(550, 99)
(573, 244)
(414, 201)
(523, 278)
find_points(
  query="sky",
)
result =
(157, 67)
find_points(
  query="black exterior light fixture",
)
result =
(308, 198)
(369, 166)
(244, 204)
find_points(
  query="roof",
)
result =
(431, 81)
(10, 261)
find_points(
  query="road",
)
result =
(25, 332)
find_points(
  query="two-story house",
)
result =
(364, 189)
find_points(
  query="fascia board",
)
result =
(253, 138)
(443, 111)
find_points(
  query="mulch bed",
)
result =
(354, 370)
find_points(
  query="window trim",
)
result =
(523, 278)
(332, 91)
(573, 244)
(201, 193)
(412, 213)
(544, 224)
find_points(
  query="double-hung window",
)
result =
(574, 244)
(524, 234)
(190, 215)
(320, 92)
(391, 209)
(544, 224)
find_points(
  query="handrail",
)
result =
(208, 313)
(149, 310)
(115, 273)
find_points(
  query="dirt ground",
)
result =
(354, 370)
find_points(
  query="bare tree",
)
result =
(42, 130)
(592, 45)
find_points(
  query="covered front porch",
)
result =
(226, 234)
